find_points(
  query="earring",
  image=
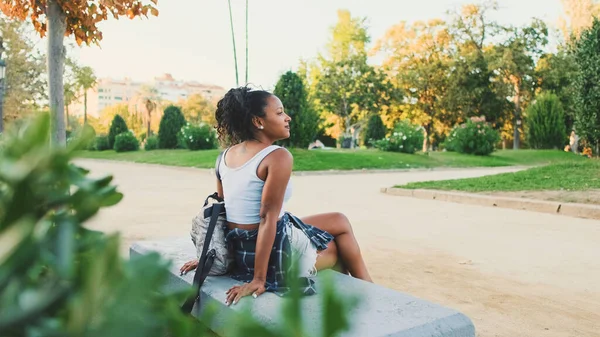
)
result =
(261, 127)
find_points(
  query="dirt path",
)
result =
(514, 273)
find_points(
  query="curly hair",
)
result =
(235, 112)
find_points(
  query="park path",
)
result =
(514, 273)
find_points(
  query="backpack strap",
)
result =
(206, 260)
(218, 163)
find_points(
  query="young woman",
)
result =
(255, 183)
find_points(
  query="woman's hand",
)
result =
(255, 288)
(188, 266)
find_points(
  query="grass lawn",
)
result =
(566, 176)
(337, 159)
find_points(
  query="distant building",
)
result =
(108, 92)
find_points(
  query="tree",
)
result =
(545, 123)
(147, 101)
(117, 127)
(352, 90)
(579, 17)
(170, 124)
(305, 120)
(24, 85)
(60, 18)
(86, 79)
(514, 61)
(348, 37)
(587, 86)
(133, 120)
(555, 73)
(197, 109)
(345, 85)
(375, 129)
(417, 59)
(471, 91)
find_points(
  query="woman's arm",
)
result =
(279, 169)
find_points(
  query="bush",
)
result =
(473, 137)
(406, 137)
(126, 142)
(375, 130)
(170, 124)
(201, 137)
(545, 123)
(117, 127)
(101, 143)
(151, 143)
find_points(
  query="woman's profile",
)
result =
(255, 184)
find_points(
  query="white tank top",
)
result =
(243, 189)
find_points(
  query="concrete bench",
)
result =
(381, 312)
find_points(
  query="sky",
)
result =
(191, 39)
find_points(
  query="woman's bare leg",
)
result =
(338, 225)
(329, 259)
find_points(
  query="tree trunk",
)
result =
(56, 61)
(84, 107)
(426, 139)
(517, 101)
(149, 119)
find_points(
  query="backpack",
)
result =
(208, 226)
(213, 207)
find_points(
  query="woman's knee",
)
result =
(342, 222)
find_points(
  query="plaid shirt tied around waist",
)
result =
(243, 243)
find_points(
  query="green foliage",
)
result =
(473, 137)
(305, 120)
(100, 143)
(515, 61)
(587, 85)
(25, 86)
(125, 142)
(151, 143)
(406, 138)
(171, 122)
(375, 129)
(197, 109)
(545, 123)
(58, 278)
(117, 126)
(201, 137)
(556, 74)
(353, 89)
(567, 176)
